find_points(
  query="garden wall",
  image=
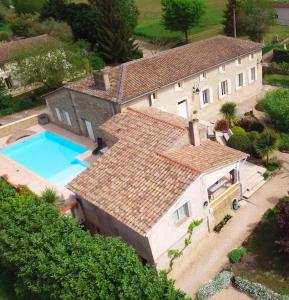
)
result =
(17, 126)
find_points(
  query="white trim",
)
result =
(58, 114)
(67, 118)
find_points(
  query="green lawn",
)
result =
(149, 24)
(277, 79)
(264, 263)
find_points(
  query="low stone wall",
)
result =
(17, 126)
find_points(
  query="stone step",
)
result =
(249, 178)
(253, 182)
(249, 193)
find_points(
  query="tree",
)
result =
(57, 29)
(229, 111)
(282, 224)
(233, 6)
(5, 99)
(27, 6)
(20, 25)
(49, 63)
(115, 41)
(53, 258)
(258, 16)
(55, 9)
(267, 143)
(182, 15)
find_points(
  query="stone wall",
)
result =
(18, 126)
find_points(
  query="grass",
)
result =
(264, 263)
(149, 23)
(277, 79)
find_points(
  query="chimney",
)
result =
(197, 132)
(101, 80)
(194, 134)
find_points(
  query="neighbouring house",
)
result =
(182, 81)
(8, 50)
(282, 12)
(158, 175)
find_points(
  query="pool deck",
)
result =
(18, 174)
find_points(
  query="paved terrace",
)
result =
(18, 174)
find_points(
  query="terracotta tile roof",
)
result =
(134, 181)
(145, 75)
(280, 5)
(7, 49)
(209, 155)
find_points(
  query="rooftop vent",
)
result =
(101, 80)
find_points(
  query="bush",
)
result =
(50, 196)
(96, 62)
(284, 142)
(282, 225)
(276, 105)
(255, 290)
(4, 36)
(47, 251)
(277, 80)
(219, 226)
(222, 125)
(240, 142)
(257, 126)
(280, 55)
(27, 6)
(238, 130)
(253, 136)
(20, 25)
(236, 254)
(272, 165)
(221, 281)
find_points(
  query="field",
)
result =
(149, 25)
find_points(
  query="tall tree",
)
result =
(55, 9)
(27, 6)
(258, 16)
(115, 26)
(182, 15)
(233, 7)
(267, 143)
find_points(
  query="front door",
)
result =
(183, 109)
(89, 130)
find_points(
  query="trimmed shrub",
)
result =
(255, 290)
(276, 105)
(238, 130)
(236, 254)
(284, 142)
(222, 125)
(221, 281)
(240, 142)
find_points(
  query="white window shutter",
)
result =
(201, 99)
(220, 90)
(58, 114)
(237, 82)
(67, 117)
(211, 95)
(229, 87)
(244, 78)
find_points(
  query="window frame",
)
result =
(180, 218)
(225, 91)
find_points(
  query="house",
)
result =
(159, 174)
(8, 50)
(282, 12)
(182, 81)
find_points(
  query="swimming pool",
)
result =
(50, 156)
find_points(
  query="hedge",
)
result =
(256, 290)
(240, 142)
(221, 281)
(280, 55)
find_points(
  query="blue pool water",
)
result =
(50, 156)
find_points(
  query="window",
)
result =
(253, 74)
(251, 56)
(203, 76)
(182, 213)
(240, 80)
(206, 96)
(58, 114)
(63, 116)
(153, 98)
(224, 88)
(222, 69)
(67, 118)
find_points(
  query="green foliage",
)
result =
(55, 9)
(282, 225)
(284, 142)
(253, 136)
(47, 251)
(280, 56)
(175, 253)
(221, 281)
(49, 63)
(219, 226)
(269, 214)
(240, 142)
(235, 255)
(50, 196)
(272, 165)
(114, 31)
(258, 16)
(267, 143)
(276, 105)
(277, 80)
(222, 125)
(57, 29)
(96, 62)
(182, 15)
(193, 225)
(228, 22)
(20, 25)
(229, 111)
(5, 99)
(4, 36)
(27, 6)
(238, 130)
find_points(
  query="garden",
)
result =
(259, 137)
